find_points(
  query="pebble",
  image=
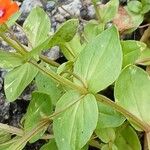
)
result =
(1, 84)
(73, 8)
(20, 35)
(53, 53)
(27, 6)
(4, 108)
(50, 6)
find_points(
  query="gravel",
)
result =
(12, 113)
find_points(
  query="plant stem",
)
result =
(145, 144)
(16, 40)
(76, 76)
(95, 144)
(59, 78)
(99, 97)
(20, 49)
(97, 11)
(146, 36)
(143, 26)
(47, 137)
(10, 129)
(148, 140)
(12, 43)
(28, 136)
(20, 132)
(142, 61)
(48, 61)
(42, 57)
(137, 121)
(9, 142)
(71, 53)
(60, 111)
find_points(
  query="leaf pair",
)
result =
(118, 138)
(114, 133)
(98, 66)
(37, 28)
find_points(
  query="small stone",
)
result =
(1, 83)
(3, 73)
(84, 12)
(91, 12)
(17, 111)
(27, 6)
(53, 54)
(65, 1)
(50, 6)
(26, 95)
(59, 18)
(20, 35)
(4, 108)
(72, 8)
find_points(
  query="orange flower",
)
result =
(7, 9)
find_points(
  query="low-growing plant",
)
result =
(68, 108)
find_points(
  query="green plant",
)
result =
(69, 95)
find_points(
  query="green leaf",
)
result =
(92, 29)
(108, 117)
(131, 51)
(109, 147)
(17, 145)
(86, 147)
(10, 22)
(67, 66)
(22, 141)
(99, 64)
(132, 92)
(144, 58)
(78, 120)
(10, 60)
(146, 6)
(72, 49)
(51, 145)
(65, 33)
(13, 19)
(105, 134)
(3, 28)
(134, 20)
(109, 10)
(37, 26)
(145, 1)
(6, 145)
(4, 136)
(134, 6)
(48, 86)
(39, 108)
(127, 138)
(17, 80)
